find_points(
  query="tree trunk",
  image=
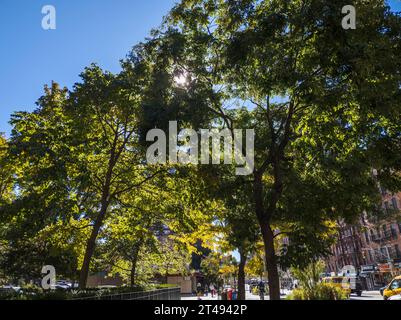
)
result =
(268, 237)
(340, 236)
(241, 276)
(133, 267)
(104, 205)
(91, 244)
(271, 262)
(90, 249)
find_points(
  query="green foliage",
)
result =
(7, 170)
(210, 268)
(256, 265)
(309, 276)
(310, 287)
(322, 110)
(324, 103)
(37, 151)
(322, 291)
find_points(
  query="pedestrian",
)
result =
(261, 287)
(199, 289)
(212, 289)
(206, 290)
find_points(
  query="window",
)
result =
(394, 202)
(396, 284)
(394, 230)
(386, 206)
(391, 252)
(371, 256)
(367, 237)
(397, 251)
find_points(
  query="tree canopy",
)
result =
(76, 189)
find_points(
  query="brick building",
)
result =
(372, 246)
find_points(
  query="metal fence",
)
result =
(160, 294)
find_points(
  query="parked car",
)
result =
(9, 289)
(355, 285)
(394, 288)
(61, 285)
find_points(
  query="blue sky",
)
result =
(101, 31)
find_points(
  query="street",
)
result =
(366, 295)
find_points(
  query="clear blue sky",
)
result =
(101, 31)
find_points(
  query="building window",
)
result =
(367, 237)
(386, 206)
(394, 230)
(395, 204)
(397, 251)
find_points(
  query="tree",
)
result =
(82, 175)
(321, 105)
(6, 172)
(44, 196)
(228, 269)
(210, 268)
(241, 230)
(108, 142)
(78, 155)
(139, 226)
(256, 264)
(6, 192)
(130, 232)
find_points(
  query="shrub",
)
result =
(322, 291)
(255, 290)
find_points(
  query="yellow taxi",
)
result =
(393, 288)
(341, 282)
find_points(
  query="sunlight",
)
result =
(181, 79)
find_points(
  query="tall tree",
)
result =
(38, 150)
(241, 229)
(78, 154)
(105, 109)
(325, 100)
(6, 172)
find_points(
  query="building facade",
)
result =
(371, 246)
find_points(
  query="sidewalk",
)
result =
(366, 295)
(249, 296)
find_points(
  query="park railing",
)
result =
(159, 294)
